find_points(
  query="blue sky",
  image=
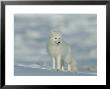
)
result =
(32, 32)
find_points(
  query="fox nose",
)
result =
(58, 42)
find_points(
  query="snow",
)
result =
(37, 70)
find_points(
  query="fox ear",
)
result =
(55, 32)
(52, 33)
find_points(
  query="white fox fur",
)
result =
(60, 52)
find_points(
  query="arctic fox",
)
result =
(60, 53)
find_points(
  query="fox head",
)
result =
(56, 38)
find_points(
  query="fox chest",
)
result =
(56, 50)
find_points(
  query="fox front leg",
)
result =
(69, 67)
(62, 65)
(53, 63)
(58, 63)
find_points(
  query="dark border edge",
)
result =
(107, 43)
(2, 44)
(55, 2)
(3, 3)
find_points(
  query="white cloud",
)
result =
(77, 30)
(32, 34)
